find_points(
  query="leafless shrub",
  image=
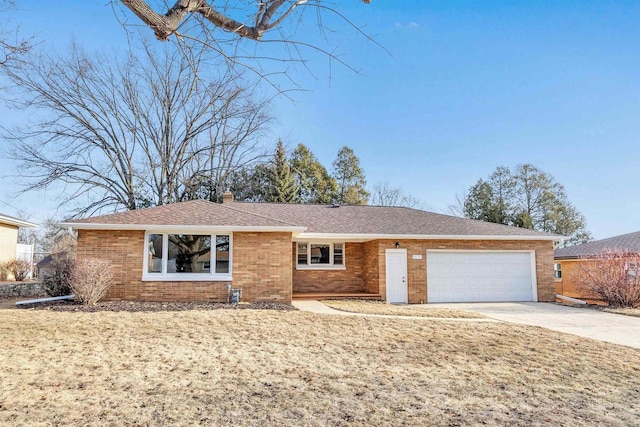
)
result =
(90, 280)
(612, 276)
(19, 268)
(4, 272)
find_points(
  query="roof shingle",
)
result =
(191, 213)
(321, 219)
(366, 219)
(626, 242)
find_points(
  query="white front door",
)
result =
(396, 260)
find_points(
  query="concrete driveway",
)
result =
(613, 328)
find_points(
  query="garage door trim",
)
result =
(532, 262)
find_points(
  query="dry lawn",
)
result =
(635, 312)
(380, 307)
(268, 368)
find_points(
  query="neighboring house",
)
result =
(64, 245)
(567, 261)
(9, 247)
(191, 251)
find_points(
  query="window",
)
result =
(320, 255)
(222, 254)
(631, 268)
(557, 271)
(171, 256)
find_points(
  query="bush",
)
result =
(613, 276)
(4, 272)
(58, 283)
(90, 280)
(19, 268)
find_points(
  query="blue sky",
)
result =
(466, 86)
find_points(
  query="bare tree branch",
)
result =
(166, 24)
(132, 133)
(12, 45)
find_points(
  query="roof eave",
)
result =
(16, 222)
(183, 228)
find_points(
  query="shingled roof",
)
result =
(381, 220)
(314, 220)
(194, 213)
(626, 242)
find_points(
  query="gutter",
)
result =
(366, 236)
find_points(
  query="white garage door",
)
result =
(477, 276)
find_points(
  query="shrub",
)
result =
(58, 283)
(613, 276)
(19, 268)
(4, 271)
(90, 280)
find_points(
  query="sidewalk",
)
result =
(317, 307)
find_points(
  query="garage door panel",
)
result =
(479, 276)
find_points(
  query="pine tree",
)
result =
(350, 178)
(529, 198)
(314, 183)
(283, 185)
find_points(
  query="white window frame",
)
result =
(331, 265)
(557, 268)
(163, 276)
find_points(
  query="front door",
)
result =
(396, 260)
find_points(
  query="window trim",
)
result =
(163, 276)
(331, 265)
(557, 272)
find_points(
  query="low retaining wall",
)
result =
(21, 289)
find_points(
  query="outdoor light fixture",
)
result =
(397, 244)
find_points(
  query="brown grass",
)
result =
(634, 312)
(380, 307)
(268, 368)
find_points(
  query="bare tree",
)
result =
(12, 44)
(383, 194)
(613, 276)
(234, 30)
(132, 133)
(263, 15)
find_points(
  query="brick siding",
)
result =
(349, 279)
(261, 267)
(264, 267)
(417, 268)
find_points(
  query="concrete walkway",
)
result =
(608, 327)
(314, 306)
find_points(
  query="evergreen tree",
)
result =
(251, 184)
(350, 179)
(283, 186)
(314, 183)
(527, 198)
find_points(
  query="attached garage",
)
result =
(481, 276)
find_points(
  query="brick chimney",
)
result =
(227, 197)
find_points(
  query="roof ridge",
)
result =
(259, 215)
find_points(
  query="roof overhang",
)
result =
(355, 237)
(16, 222)
(182, 228)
